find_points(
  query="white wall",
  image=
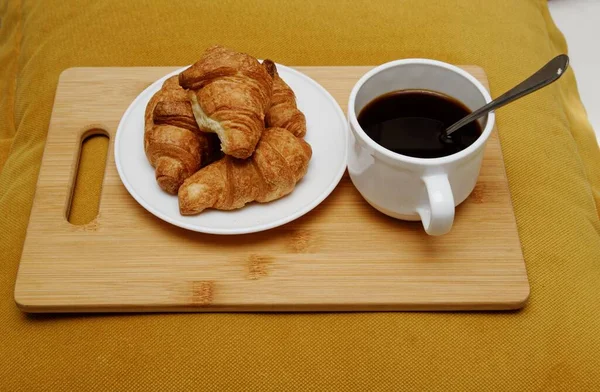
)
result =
(579, 20)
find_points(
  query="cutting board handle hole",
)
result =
(88, 177)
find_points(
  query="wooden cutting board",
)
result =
(342, 256)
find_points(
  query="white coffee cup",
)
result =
(404, 187)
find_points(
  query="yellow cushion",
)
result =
(552, 160)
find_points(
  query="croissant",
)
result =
(230, 93)
(173, 143)
(283, 111)
(279, 162)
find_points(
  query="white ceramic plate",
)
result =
(326, 133)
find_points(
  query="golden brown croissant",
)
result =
(283, 112)
(279, 162)
(230, 93)
(172, 141)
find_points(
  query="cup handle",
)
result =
(438, 216)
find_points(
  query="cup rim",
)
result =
(355, 126)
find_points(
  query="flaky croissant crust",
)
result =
(173, 143)
(279, 162)
(283, 112)
(229, 93)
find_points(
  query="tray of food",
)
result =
(239, 184)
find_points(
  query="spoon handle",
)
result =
(549, 73)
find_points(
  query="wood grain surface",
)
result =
(342, 256)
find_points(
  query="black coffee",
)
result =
(398, 122)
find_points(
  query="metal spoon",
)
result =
(433, 138)
(549, 73)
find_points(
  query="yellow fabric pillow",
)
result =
(552, 160)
